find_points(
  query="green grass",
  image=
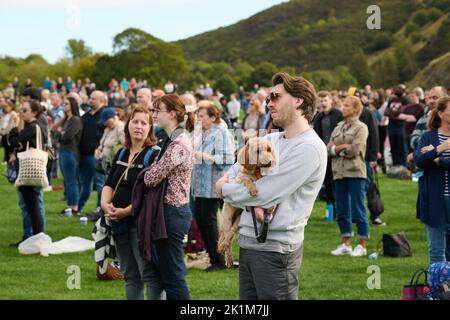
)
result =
(321, 275)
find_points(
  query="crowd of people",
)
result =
(181, 147)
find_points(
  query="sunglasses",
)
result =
(273, 97)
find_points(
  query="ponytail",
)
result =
(435, 122)
(190, 121)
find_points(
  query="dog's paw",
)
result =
(253, 192)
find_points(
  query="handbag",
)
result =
(11, 172)
(112, 273)
(33, 165)
(395, 245)
(374, 202)
(415, 290)
(103, 166)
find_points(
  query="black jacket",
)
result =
(91, 134)
(373, 145)
(335, 117)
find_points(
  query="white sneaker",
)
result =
(341, 250)
(359, 251)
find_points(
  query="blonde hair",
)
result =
(356, 103)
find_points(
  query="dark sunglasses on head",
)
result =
(273, 97)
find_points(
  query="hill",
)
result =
(311, 37)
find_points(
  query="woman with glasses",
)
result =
(19, 137)
(69, 156)
(174, 164)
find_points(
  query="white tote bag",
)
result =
(33, 165)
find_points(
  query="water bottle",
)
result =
(373, 256)
(329, 212)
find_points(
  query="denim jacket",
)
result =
(219, 143)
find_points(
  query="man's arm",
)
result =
(272, 189)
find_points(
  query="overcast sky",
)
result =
(44, 26)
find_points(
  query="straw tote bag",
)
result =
(33, 165)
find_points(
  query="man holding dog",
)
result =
(269, 270)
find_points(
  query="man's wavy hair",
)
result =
(299, 87)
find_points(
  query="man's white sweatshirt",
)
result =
(293, 185)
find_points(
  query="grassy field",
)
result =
(321, 276)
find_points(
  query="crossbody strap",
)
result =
(261, 234)
(126, 171)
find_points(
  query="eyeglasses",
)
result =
(157, 111)
(273, 97)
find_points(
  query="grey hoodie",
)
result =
(294, 185)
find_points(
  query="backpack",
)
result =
(439, 275)
(147, 156)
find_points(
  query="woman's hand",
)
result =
(118, 214)
(341, 147)
(202, 156)
(427, 148)
(444, 146)
(97, 153)
(12, 158)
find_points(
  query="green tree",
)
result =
(226, 84)
(322, 80)
(344, 78)
(406, 60)
(133, 39)
(77, 49)
(243, 72)
(263, 74)
(360, 69)
(386, 71)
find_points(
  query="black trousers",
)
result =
(397, 141)
(329, 184)
(206, 216)
(6, 147)
(31, 198)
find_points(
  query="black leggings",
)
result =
(206, 216)
(31, 198)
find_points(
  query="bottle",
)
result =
(329, 212)
(373, 256)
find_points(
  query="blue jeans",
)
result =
(26, 217)
(167, 254)
(438, 237)
(89, 175)
(350, 205)
(69, 169)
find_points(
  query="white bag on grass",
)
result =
(67, 245)
(35, 244)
